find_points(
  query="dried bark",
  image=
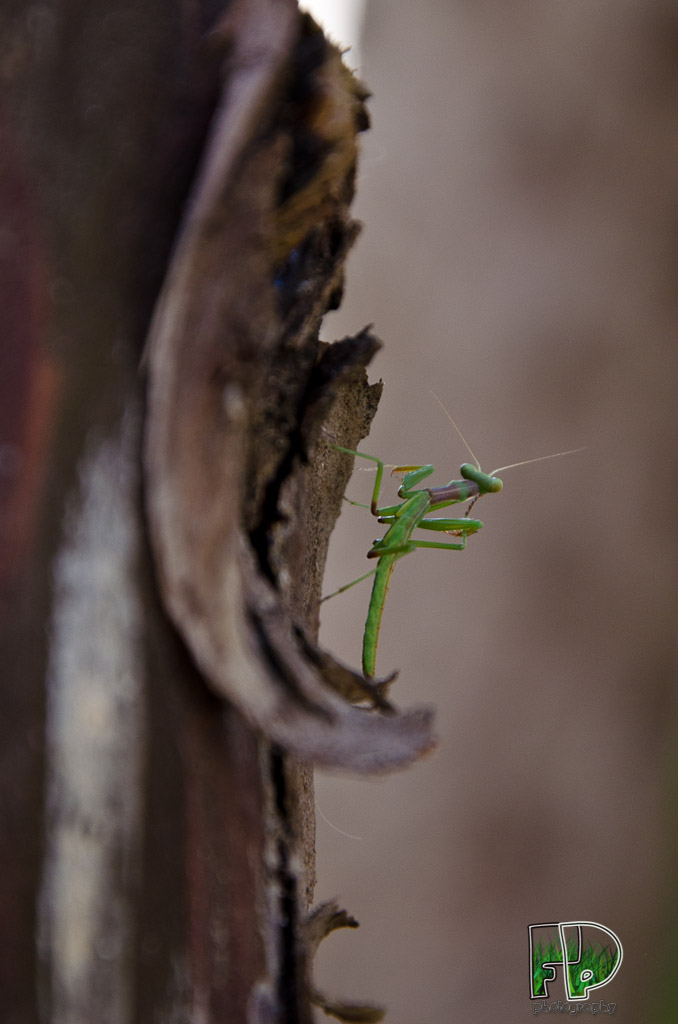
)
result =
(235, 375)
(171, 526)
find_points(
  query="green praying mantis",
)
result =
(413, 513)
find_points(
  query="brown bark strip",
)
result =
(232, 374)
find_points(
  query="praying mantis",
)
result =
(413, 513)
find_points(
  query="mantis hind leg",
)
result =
(347, 586)
(413, 476)
(377, 483)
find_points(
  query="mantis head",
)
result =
(488, 483)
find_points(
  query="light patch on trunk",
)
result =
(95, 719)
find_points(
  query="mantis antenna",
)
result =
(512, 465)
(540, 458)
(467, 446)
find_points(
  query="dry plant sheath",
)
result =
(239, 389)
(242, 491)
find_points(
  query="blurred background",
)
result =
(518, 257)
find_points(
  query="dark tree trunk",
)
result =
(166, 504)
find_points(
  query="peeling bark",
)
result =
(238, 392)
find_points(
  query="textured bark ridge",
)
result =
(242, 487)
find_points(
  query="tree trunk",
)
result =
(166, 506)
